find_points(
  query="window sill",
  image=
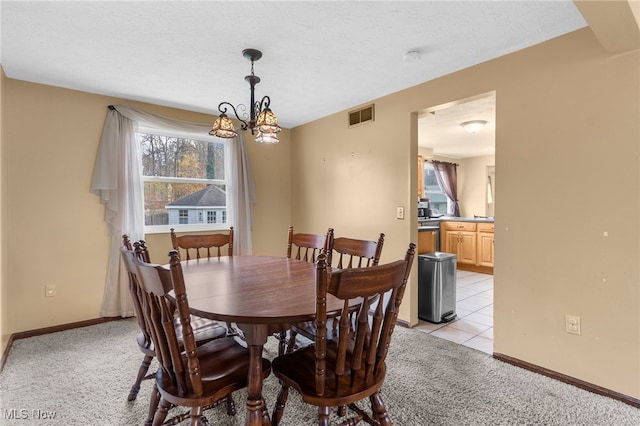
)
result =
(165, 229)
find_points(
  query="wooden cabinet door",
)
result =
(462, 244)
(467, 247)
(451, 242)
(485, 249)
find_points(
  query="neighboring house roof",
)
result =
(209, 196)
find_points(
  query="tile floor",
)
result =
(473, 326)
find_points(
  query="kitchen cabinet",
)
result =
(460, 239)
(427, 241)
(485, 244)
(471, 242)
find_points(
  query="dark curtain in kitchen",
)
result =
(447, 177)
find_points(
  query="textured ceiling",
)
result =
(319, 57)
(439, 128)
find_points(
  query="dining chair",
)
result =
(349, 253)
(190, 375)
(347, 369)
(354, 253)
(143, 339)
(204, 329)
(305, 247)
(198, 245)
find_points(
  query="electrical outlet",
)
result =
(572, 324)
(400, 212)
(50, 290)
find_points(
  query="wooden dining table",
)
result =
(262, 295)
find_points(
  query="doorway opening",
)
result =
(442, 138)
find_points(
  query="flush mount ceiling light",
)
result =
(261, 119)
(473, 126)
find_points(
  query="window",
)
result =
(439, 203)
(183, 217)
(184, 180)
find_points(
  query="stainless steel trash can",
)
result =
(437, 287)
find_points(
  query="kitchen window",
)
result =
(439, 203)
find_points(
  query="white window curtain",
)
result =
(117, 180)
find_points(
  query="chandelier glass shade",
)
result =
(223, 127)
(267, 122)
(267, 138)
(260, 120)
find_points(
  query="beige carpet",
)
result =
(83, 376)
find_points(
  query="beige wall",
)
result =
(472, 185)
(567, 134)
(56, 226)
(5, 332)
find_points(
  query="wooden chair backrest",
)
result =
(156, 282)
(129, 252)
(197, 245)
(360, 356)
(353, 253)
(308, 246)
(141, 251)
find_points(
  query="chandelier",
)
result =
(261, 120)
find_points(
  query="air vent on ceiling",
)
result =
(362, 115)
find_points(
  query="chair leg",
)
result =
(342, 410)
(161, 412)
(282, 341)
(265, 413)
(142, 372)
(231, 405)
(153, 405)
(278, 410)
(196, 416)
(291, 345)
(232, 331)
(379, 410)
(323, 416)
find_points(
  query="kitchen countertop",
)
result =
(434, 223)
(429, 228)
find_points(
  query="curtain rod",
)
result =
(111, 107)
(431, 161)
